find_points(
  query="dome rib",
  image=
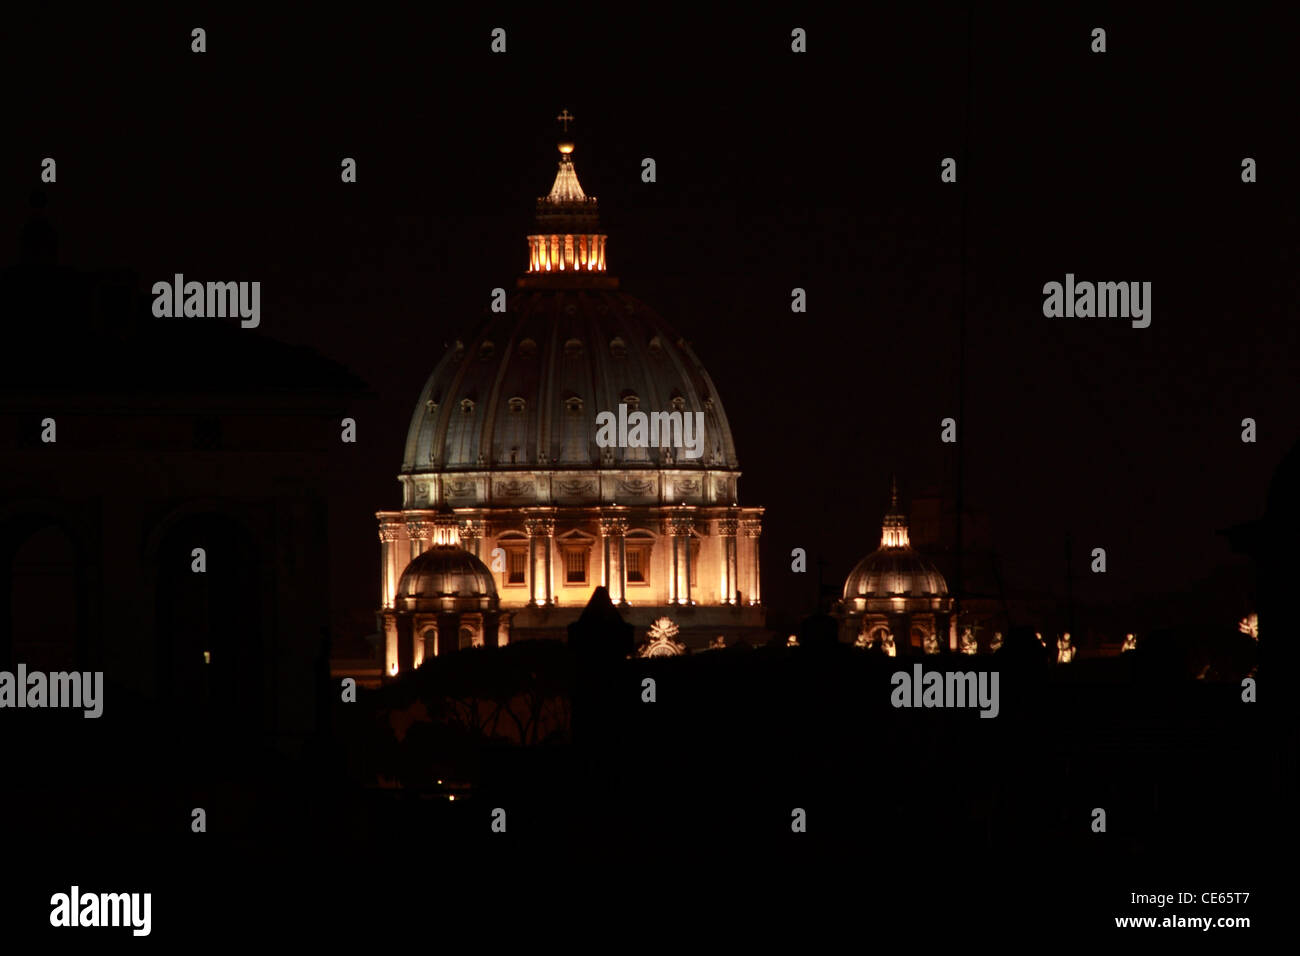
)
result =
(497, 452)
(456, 437)
(891, 572)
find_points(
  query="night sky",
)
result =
(774, 170)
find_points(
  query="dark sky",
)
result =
(774, 171)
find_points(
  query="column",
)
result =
(388, 533)
(471, 534)
(730, 583)
(541, 532)
(614, 572)
(390, 643)
(682, 524)
(668, 528)
(753, 528)
(532, 569)
(622, 568)
(418, 531)
(686, 558)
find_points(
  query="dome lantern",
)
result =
(567, 247)
(893, 533)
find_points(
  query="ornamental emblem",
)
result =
(661, 643)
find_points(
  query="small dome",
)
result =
(894, 569)
(446, 571)
(890, 572)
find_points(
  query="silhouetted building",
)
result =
(162, 518)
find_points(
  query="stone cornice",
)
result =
(530, 487)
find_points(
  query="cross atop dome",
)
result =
(566, 189)
(567, 241)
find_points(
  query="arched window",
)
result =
(466, 637)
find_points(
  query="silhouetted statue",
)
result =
(1023, 662)
(818, 632)
(600, 641)
(600, 634)
(1023, 647)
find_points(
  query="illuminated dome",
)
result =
(523, 390)
(894, 569)
(572, 441)
(446, 571)
(895, 600)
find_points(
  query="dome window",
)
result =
(573, 347)
(618, 348)
(656, 346)
(485, 351)
(467, 405)
(679, 403)
(527, 348)
(631, 399)
(573, 403)
(517, 404)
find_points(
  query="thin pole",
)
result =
(958, 584)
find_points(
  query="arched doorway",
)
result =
(208, 624)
